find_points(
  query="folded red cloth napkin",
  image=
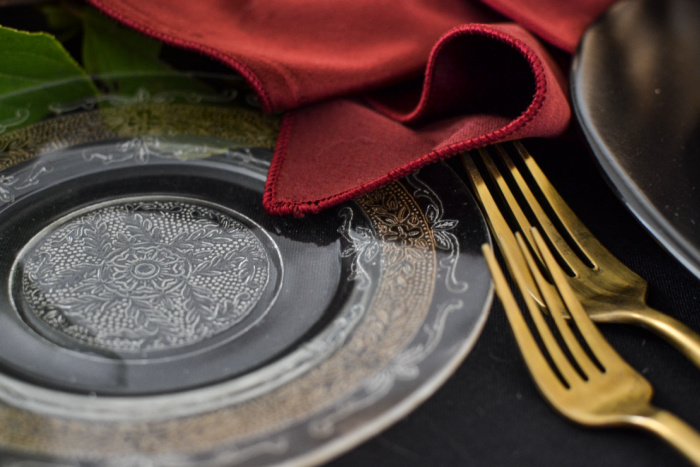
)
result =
(375, 89)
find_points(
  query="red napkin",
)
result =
(375, 89)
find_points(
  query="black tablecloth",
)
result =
(490, 413)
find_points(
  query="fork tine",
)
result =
(576, 230)
(507, 194)
(561, 246)
(535, 360)
(595, 340)
(494, 217)
(519, 270)
(556, 306)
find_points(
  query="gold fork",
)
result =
(591, 385)
(608, 290)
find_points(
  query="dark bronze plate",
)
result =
(635, 91)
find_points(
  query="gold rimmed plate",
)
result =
(153, 312)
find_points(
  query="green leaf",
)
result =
(109, 48)
(61, 20)
(58, 17)
(36, 61)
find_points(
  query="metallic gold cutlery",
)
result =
(608, 290)
(585, 380)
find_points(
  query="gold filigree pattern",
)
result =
(240, 125)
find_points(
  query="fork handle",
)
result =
(673, 430)
(683, 338)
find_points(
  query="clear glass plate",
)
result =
(152, 312)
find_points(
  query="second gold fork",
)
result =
(609, 291)
(572, 364)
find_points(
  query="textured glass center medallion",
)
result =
(142, 274)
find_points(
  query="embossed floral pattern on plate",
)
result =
(144, 274)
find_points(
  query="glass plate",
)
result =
(153, 313)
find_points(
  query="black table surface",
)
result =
(490, 413)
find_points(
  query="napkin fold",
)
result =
(374, 89)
